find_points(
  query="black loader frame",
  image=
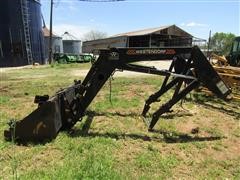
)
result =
(189, 69)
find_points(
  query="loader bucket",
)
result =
(42, 124)
(51, 116)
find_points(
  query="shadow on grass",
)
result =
(230, 112)
(94, 113)
(162, 136)
(175, 137)
(228, 107)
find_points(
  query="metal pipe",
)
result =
(21, 39)
(11, 40)
(1, 51)
(50, 59)
(209, 44)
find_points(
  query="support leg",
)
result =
(155, 96)
(167, 106)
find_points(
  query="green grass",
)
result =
(117, 144)
(155, 165)
(82, 160)
(4, 99)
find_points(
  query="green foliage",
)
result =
(222, 42)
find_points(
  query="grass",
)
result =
(116, 143)
(84, 160)
(155, 165)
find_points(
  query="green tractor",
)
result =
(234, 55)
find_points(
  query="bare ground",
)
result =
(157, 64)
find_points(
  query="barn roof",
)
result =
(46, 32)
(153, 31)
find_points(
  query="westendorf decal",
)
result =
(150, 51)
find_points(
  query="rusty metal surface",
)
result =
(231, 76)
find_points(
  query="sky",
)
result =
(197, 17)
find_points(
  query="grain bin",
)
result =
(57, 44)
(71, 44)
(21, 39)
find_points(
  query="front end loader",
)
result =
(189, 70)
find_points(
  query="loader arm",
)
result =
(68, 106)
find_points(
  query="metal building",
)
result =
(21, 38)
(155, 37)
(71, 44)
(57, 43)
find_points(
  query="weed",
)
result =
(236, 132)
(150, 147)
(213, 131)
(14, 159)
(200, 145)
(184, 146)
(236, 173)
(218, 146)
(4, 100)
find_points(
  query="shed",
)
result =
(163, 36)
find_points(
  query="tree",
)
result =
(222, 42)
(94, 34)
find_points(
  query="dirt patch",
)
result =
(4, 89)
(138, 91)
(187, 127)
(33, 76)
(116, 74)
(5, 69)
(158, 64)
